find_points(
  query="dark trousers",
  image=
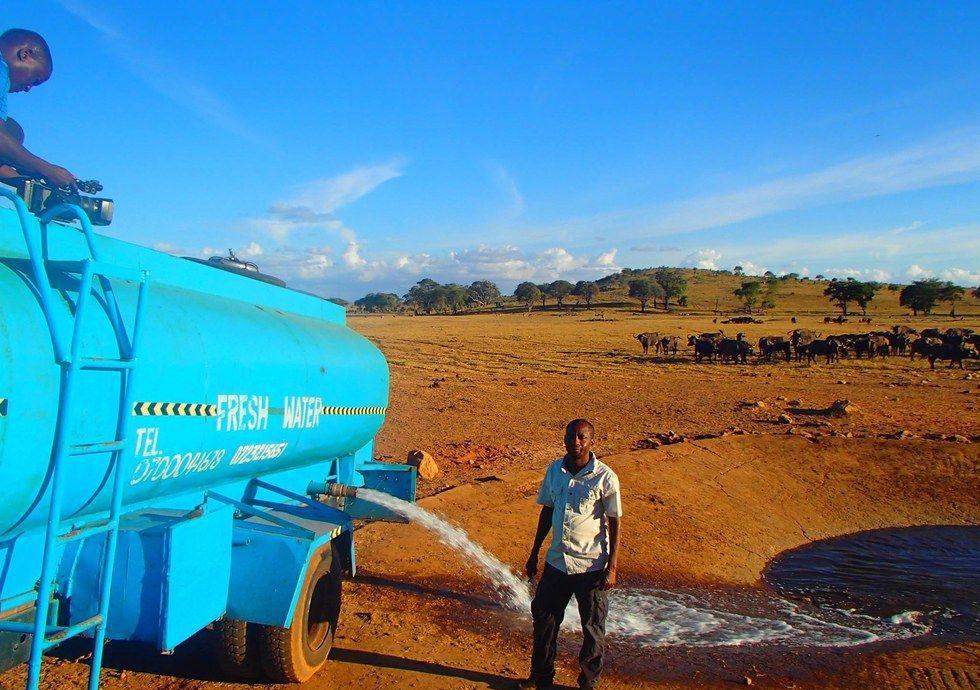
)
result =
(554, 592)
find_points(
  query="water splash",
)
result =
(513, 591)
(657, 617)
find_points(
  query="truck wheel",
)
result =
(237, 648)
(293, 654)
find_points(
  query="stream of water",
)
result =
(658, 617)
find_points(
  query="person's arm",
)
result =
(13, 153)
(544, 526)
(610, 580)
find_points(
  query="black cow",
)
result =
(773, 344)
(800, 338)
(702, 349)
(734, 350)
(828, 348)
(955, 353)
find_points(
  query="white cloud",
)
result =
(703, 258)
(607, 258)
(352, 255)
(950, 158)
(875, 274)
(916, 272)
(508, 185)
(251, 250)
(314, 204)
(750, 268)
(961, 276)
(328, 195)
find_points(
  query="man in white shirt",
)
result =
(581, 506)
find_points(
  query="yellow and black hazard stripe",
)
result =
(3, 407)
(169, 409)
(348, 411)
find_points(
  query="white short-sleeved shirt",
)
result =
(581, 502)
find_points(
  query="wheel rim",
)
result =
(318, 616)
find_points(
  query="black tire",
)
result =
(294, 654)
(237, 647)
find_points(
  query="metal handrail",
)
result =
(34, 254)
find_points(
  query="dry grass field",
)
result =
(488, 395)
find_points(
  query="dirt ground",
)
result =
(733, 486)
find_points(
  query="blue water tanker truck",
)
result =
(180, 446)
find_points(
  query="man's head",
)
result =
(579, 438)
(28, 58)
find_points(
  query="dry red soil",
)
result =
(488, 396)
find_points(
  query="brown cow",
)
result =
(669, 343)
(648, 339)
(800, 338)
(879, 346)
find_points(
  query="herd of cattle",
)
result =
(953, 345)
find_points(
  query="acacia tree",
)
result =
(975, 292)
(749, 293)
(422, 295)
(560, 289)
(483, 292)
(378, 302)
(644, 290)
(456, 297)
(587, 291)
(672, 282)
(543, 290)
(528, 293)
(952, 294)
(921, 295)
(844, 292)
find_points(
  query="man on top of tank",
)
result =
(25, 62)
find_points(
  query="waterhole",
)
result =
(930, 574)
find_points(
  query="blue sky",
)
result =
(355, 147)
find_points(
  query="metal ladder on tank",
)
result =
(69, 357)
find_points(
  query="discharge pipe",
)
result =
(318, 489)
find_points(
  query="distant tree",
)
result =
(338, 301)
(739, 271)
(922, 295)
(844, 292)
(644, 290)
(560, 289)
(672, 282)
(528, 293)
(483, 292)
(422, 296)
(819, 277)
(791, 276)
(975, 292)
(749, 293)
(543, 289)
(587, 291)
(952, 294)
(865, 294)
(456, 297)
(768, 275)
(378, 302)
